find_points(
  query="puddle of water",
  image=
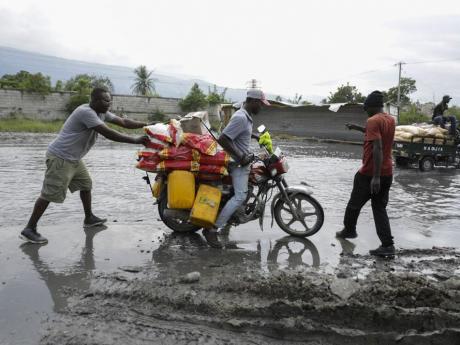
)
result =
(423, 212)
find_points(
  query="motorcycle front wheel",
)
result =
(177, 225)
(311, 215)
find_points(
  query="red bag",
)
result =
(156, 144)
(181, 153)
(171, 165)
(203, 143)
(220, 158)
(149, 154)
(147, 165)
(213, 169)
(159, 131)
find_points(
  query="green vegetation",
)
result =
(407, 87)
(195, 100)
(412, 116)
(143, 83)
(214, 97)
(158, 115)
(82, 84)
(454, 110)
(26, 81)
(18, 124)
(345, 94)
(30, 125)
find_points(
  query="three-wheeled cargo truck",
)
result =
(426, 153)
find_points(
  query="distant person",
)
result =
(438, 115)
(64, 166)
(373, 180)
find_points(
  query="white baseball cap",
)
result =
(257, 94)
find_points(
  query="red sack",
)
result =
(181, 153)
(203, 143)
(171, 165)
(156, 144)
(150, 154)
(159, 131)
(220, 158)
(213, 169)
(147, 165)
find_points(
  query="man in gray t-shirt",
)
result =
(64, 167)
(235, 139)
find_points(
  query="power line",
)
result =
(432, 61)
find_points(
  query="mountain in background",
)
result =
(14, 60)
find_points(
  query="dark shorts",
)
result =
(62, 175)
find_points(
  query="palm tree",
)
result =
(143, 83)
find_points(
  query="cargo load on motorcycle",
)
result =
(192, 182)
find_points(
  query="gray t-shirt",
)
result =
(77, 135)
(239, 130)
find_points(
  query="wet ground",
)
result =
(123, 283)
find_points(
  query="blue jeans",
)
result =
(441, 121)
(240, 177)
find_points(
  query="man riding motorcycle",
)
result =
(235, 139)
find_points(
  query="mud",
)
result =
(362, 301)
(127, 282)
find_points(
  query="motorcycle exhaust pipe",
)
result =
(177, 214)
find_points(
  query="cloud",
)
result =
(435, 37)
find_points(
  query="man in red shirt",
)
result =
(373, 180)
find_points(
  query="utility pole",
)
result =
(399, 87)
(252, 84)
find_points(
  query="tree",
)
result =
(195, 100)
(407, 87)
(26, 81)
(296, 100)
(214, 97)
(59, 86)
(83, 83)
(143, 82)
(346, 94)
(278, 98)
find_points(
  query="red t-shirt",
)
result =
(379, 126)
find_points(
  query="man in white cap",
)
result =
(235, 139)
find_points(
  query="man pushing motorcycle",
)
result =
(235, 139)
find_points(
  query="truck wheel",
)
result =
(402, 162)
(426, 164)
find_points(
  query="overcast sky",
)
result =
(305, 47)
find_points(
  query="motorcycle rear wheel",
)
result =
(310, 210)
(177, 225)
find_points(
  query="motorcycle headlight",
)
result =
(273, 172)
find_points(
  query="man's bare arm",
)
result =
(128, 123)
(377, 155)
(229, 147)
(351, 126)
(117, 136)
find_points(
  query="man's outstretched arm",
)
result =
(121, 138)
(128, 123)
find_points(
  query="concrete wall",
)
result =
(313, 121)
(52, 106)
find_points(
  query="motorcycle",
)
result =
(292, 207)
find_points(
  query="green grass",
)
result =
(40, 126)
(30, 125)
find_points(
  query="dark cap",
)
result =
(374, 99)
(446, 98)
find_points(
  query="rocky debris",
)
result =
(191, 277)
(363, 301)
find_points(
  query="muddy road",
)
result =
(124, 283)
